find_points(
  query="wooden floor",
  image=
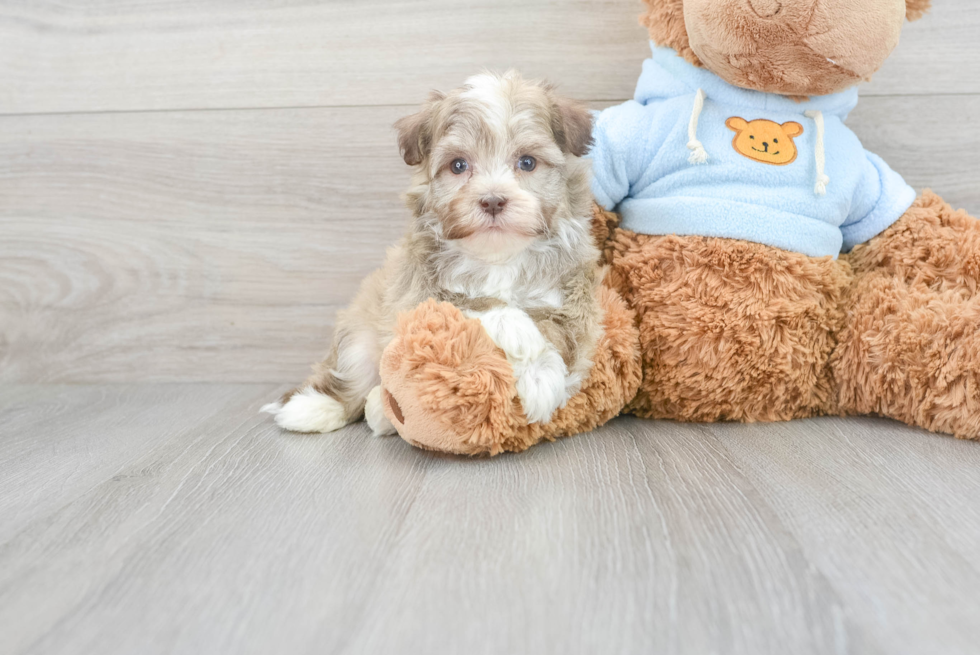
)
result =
(174, 519)
(189, 189)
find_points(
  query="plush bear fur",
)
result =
(798, 47)
(730, 330)
(910, 348)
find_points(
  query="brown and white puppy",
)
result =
(501, 229)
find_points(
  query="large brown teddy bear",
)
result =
(745, 312)
(776, 270)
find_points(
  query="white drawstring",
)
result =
(822, 178)
(698, 154)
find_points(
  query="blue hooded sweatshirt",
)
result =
(695, 156)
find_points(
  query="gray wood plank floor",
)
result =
(174, 519)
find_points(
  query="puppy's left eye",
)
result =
(459, 166)
(527, 164)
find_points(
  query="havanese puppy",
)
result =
(501, 229)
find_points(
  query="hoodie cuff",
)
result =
(901, 197)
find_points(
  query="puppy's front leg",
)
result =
(538, 366)
(374, 414)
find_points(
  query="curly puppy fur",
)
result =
(449, 389)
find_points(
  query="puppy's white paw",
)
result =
(309, 412)
(543, 383)
(542, 387)
(374, 413)
(514, 332)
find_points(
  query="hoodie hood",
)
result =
(668, 75)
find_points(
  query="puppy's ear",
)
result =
(415, 132)
(571, 122)
(914, 9)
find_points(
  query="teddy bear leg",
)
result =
(910, 349)
(729, 330)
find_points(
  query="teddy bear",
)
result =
(771, 267)
(777, 269)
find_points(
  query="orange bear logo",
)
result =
(765, 141)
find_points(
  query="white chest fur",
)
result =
(509, 283)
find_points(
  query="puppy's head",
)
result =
(498, 163)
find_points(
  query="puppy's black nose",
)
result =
(493, 205)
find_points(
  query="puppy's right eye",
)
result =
(459, 166)
(527, 164)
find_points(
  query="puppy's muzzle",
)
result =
(493, 205)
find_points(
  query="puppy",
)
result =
(501, 206)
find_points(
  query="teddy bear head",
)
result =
(789, 47)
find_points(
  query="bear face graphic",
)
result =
(765, 141)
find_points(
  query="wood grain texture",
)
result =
(191, 54)
(938, 55)
(202, 241)
(57, 443)
(918, 138)
(217, 246)
(233, 538)
(888, 514)
(214, 532)
(182, 54)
